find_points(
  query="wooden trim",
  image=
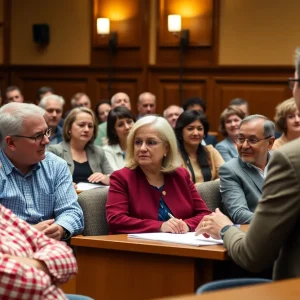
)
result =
(6, 31)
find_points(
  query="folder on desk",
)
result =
(186, 238)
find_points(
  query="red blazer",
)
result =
(132, 203)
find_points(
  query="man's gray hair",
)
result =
(269, 126)
(57, 98)
(12, 116)
(166, 110)
(112, 100)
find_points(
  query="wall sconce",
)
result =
(174, 26)
(103, 28)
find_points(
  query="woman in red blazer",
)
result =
(152, 193)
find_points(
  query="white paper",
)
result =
(84, 186)
(186, 238)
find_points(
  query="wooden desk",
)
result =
(117, 267)
(286, 289)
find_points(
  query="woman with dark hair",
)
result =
(202, 162)
(119, 122)
(230, 121)
(101, 110)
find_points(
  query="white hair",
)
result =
(165, 111)
(112, 100)
(165, 132)
(56, 98)
(12, 116)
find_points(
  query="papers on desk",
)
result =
(186, 238)
(84, 186)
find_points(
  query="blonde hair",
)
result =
(281, 111)
(70, 119)
(165, 133)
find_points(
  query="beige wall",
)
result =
(259, 32)
(69, 22)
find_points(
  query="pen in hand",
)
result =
(170, 215)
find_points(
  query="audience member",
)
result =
(119, 123)
(101, 110)
(53, 105)
(32, 265)
(242, 104)
(43, 92)
(172, 113)
(35, 185)
(152, 193)
(87, 162)
(230, 120)
(13, 94)
(287, 119)
(118, 99)
(199, 105)
(81, 99)
(202, 162)
(242, 179)
(273, 234)
(146, 104)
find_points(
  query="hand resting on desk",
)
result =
(212, 224)
(174, 225)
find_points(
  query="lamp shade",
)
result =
(174, 23)
(103, 26)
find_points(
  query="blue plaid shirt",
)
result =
(46, 192)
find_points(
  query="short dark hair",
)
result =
(12, 88)
(238, 102)
(119, 112)
(97, 106)
(194, 101)
(43, 90)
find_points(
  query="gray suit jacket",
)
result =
(241, 188)
(274, 233)
(227, 149)
(95, 155)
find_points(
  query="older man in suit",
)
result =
(275, 227)
(242, 178)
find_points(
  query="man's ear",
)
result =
(271, 142)
(10, 143)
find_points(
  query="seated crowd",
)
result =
(152, 165)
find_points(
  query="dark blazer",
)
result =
(227, 149)
(132, 203)
(95, 155)
(211, 140)
(274, 233)
(241, 188)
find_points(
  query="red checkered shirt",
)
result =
(20, 281)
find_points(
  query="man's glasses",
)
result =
(251, 141)
(37, 138)
(292, 82)
(149, 143)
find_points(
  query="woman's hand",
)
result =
(99, 177)
(74, 185)
(174, 225)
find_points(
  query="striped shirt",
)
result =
(45, 192)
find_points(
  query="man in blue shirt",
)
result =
(35, 185)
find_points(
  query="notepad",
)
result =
(84, 186)
(186, 238)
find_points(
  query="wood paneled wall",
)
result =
(262, 87)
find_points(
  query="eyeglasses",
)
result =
(251, 141)
(149, 143)
(37, 138)
(292, 82)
